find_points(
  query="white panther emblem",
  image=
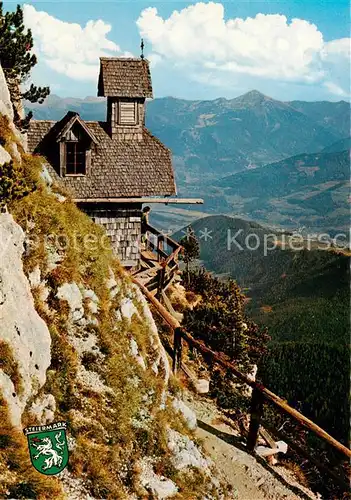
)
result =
(45, 446)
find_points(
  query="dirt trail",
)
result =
(250, 479)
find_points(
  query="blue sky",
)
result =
(292, 49)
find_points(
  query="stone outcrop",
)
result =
(5, 157)
(21, 328)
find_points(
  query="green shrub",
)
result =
(18, 179)
(220, 321)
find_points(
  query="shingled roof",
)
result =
(70, 119)
(124, 77)
(118, 168)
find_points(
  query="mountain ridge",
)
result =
(310, 189)
(214, 139)
(253, 92)
(224, 134)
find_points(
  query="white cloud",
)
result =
(200, 39)
(69, 48)
(335, 89)
(204, 47)
(339, 48)
(336, 61)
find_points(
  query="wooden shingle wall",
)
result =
(123, 226)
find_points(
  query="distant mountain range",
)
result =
(55, 107)
(304, 190)
(213, 140)
(225, 136)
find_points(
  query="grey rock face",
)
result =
(21, 328)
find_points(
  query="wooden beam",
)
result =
(342, 481)
(167, 239)
(166, 201)
(177, 350)
(172, 322)
(173, 256)
(177, 315)
(267, 437)
(191, 376)
(160, 280)
(157, 251)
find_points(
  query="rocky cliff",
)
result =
(78, 343)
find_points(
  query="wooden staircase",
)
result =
(159, 262)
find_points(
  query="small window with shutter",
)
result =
(127, 113)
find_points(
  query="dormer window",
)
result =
(75, 158)
(127, 113)
(75, 143)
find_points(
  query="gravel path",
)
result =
(250, 479)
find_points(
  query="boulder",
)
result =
(159, 486)
(4, 156)
(185, 453)
(202, 386)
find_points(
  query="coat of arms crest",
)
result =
(48, 447)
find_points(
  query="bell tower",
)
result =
(126, 82)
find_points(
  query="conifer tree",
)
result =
(17, 60)
(220, 321)
(191, 248)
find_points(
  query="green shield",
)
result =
(48, 447)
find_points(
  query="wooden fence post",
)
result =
(177, 350)
(160, 246)
(255, 418)
(161, 278)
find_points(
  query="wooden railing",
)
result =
(164, 246)
(260, 395)
(167, 251)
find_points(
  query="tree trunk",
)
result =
(16, 98)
